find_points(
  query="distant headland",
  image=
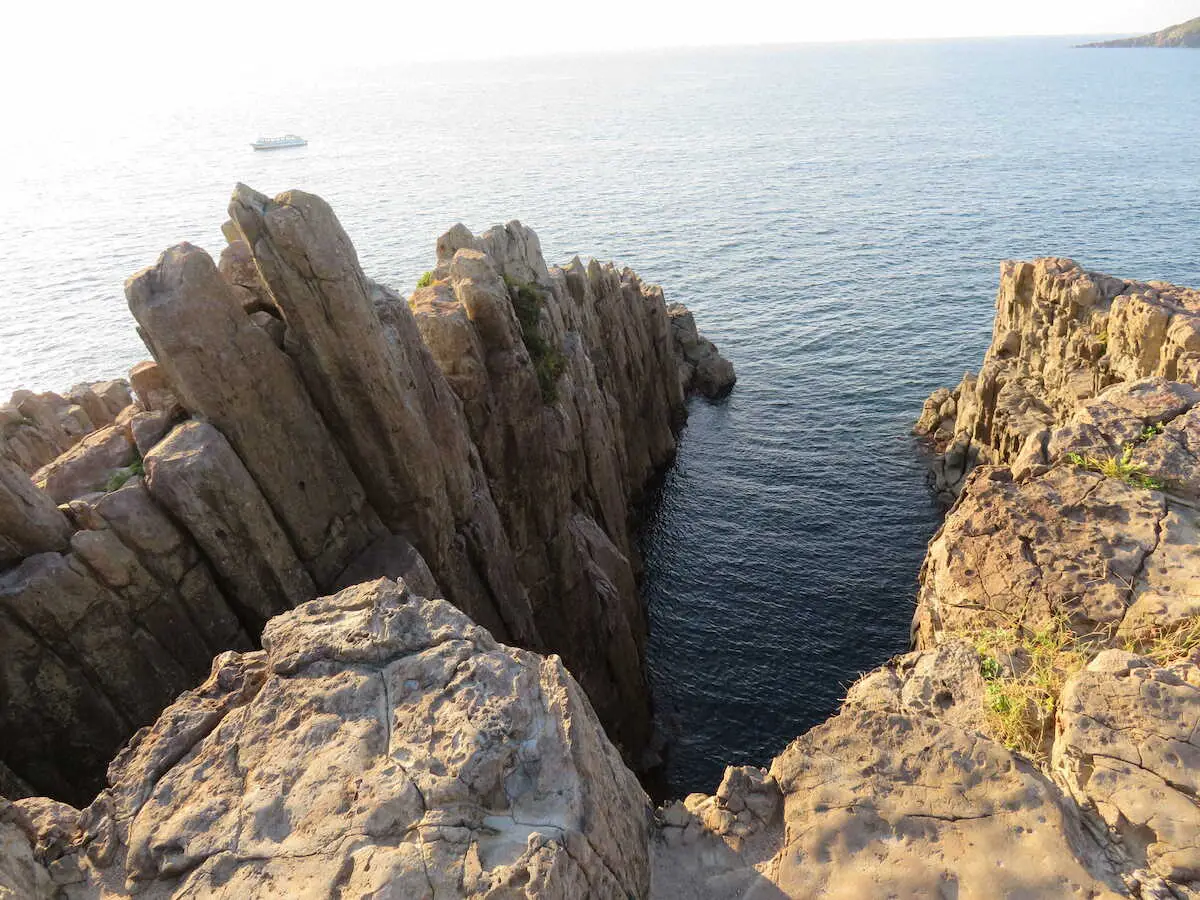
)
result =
(1186, 34)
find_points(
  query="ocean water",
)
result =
(835, 216)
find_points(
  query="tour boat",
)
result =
(288, 140)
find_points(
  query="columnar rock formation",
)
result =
(1043, 739)
(1061, 335)
(303, 428)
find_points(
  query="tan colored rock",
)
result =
(150, 384)
(115, 394)
(1010, 554)
(380, 743)
(228, 370)
(886, 804)
(100, 674)
(87, 466)
(148, 428)
(702, 368)
(29, 519)
(1129, 742)
(93, 405)
(571, 444)
(1061, 336)
(238, 266)
(200, 481)
(171, 556)
(943, 682)
(22, 876)
(370, 389)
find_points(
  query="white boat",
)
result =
(288, 140)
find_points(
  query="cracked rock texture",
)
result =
(379, 745)
(303, 428)
(1061, 335)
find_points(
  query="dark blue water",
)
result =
(835, 215)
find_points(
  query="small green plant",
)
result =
(425, 280)
(1120, 466)
(1151, 430)
(548, 361)
(118, 478)
(1021, 699)
(1102, 340)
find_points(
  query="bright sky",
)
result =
(58, 36)
(48, 43)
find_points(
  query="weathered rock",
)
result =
(380, 743)
(29, 520)
(571, 436)
(944, 682)
(1068, 543)
(93, 405)
(356, 377)
(228, 370)
(702, 369)
(79, 670)
(394, 558)
(238, 266)
(198, 478)
(151, 386)
(148, 428)
(22, 876)
(882, 803)
(1129, 743)
(173, 559)
(87, 466)
(1061, 335)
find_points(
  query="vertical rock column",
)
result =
(366, 394)
(29, 521)
(229, 371)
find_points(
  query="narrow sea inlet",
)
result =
(834, 215)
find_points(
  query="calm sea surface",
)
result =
(835, 216)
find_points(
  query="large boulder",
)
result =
(379, 745)
(30, 522)
(201, 482)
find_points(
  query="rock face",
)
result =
(701, 368)
(379, 745)
(1061, 336)
(303, 428)
(1185, 34)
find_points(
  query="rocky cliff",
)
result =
(1042, 740)
(1061, 335)
(303, 428)
(1185, 34)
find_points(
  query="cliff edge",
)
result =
(1185, 34)
(1042, 740)
(303, 428)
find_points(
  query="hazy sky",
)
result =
(45, 42)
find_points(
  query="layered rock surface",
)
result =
(1061, 335)
(379, 745)
(303, 428)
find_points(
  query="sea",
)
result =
(835, 215)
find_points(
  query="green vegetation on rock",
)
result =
(548, 361)
(1120, 466)
(425, 280)
(118, 478)
(1025, 670)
